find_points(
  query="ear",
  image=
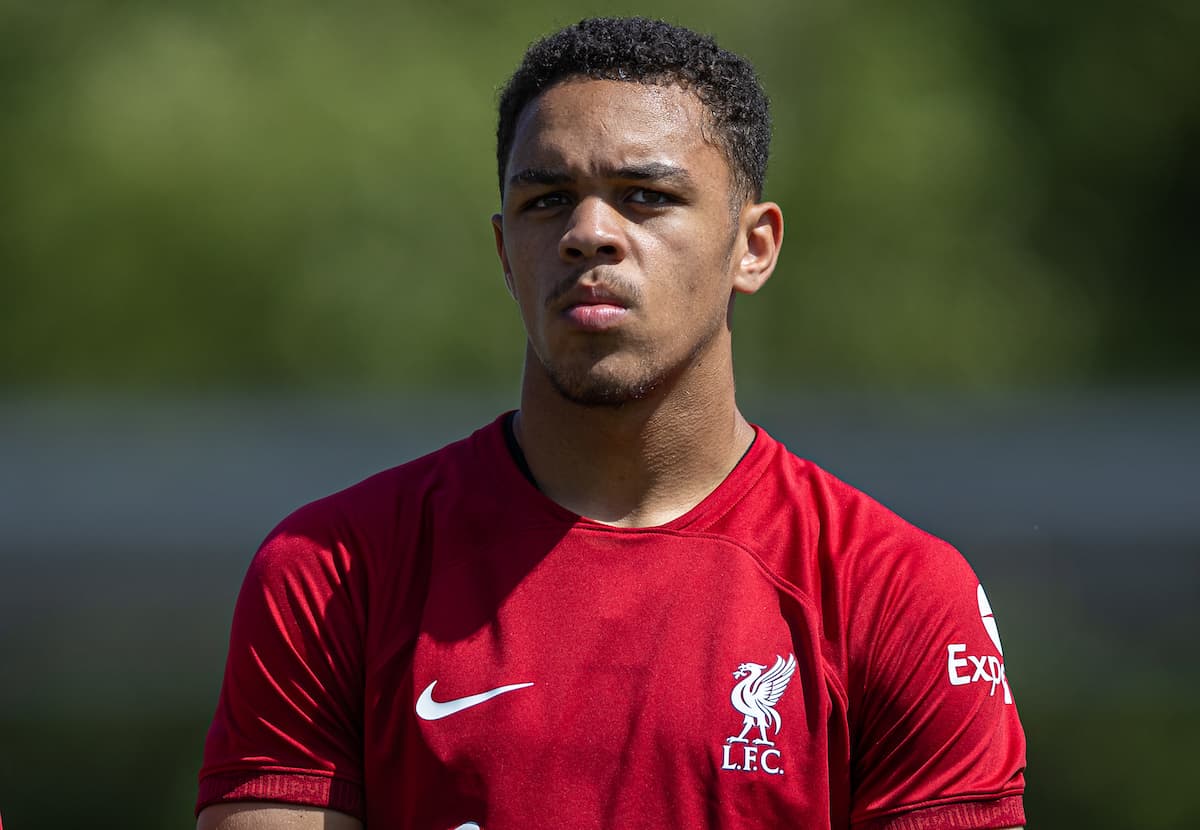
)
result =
(762, 237)
(498, 229)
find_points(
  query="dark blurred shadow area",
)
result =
(245, 260)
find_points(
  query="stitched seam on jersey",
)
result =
(946, 801)
(777, 580)
(831, 675)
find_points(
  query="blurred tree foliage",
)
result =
(215, 195)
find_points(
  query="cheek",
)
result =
(702, 273)
(531, 257)
(528, 301)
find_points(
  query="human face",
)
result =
(617, 238)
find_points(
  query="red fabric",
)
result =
(294, 787)
(638, 645)
(994, 815)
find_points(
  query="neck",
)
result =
(639, 464)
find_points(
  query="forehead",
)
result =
(584, 125)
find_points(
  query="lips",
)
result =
(595, 316)
(594, 308)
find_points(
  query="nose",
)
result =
(594, 230)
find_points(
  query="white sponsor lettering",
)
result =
(750, 760)
(953, 664)
(987, 669)
(768, 762)
(963, 668)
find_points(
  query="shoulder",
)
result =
(806, 517)
(381, 514)
(865, 571)
(390, 495)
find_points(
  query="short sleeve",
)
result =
(937, 742)
(288, 725)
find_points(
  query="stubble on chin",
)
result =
(583, 388)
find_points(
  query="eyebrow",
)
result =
(650, 171)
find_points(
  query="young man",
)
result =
(622, 605)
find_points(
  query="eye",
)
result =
(547, 201)
(644, 196)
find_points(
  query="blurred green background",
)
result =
(228, 226)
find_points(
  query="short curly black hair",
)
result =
(650, 52)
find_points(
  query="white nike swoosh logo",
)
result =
(430, 709)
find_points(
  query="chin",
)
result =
(589, 390)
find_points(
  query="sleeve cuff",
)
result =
(286, 787)
(963, 815)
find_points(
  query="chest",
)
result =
(603, 680)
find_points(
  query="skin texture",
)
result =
(251, 815)
(613, 189)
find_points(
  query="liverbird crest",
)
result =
(756, 695)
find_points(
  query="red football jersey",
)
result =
(442, 646)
